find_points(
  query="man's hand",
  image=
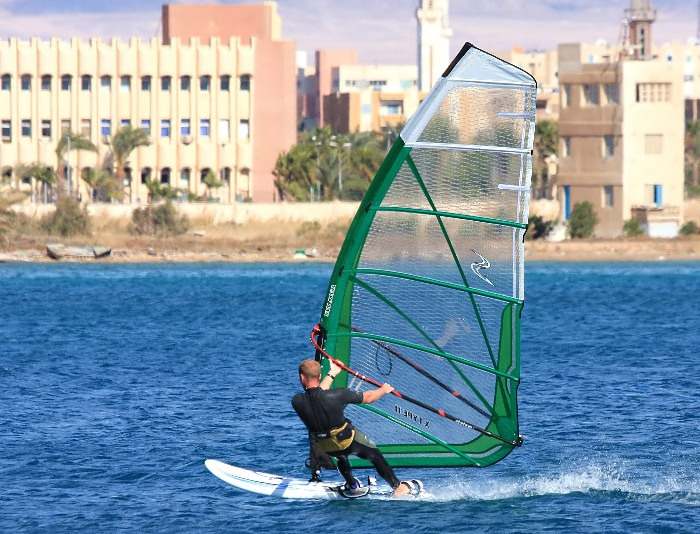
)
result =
(376, 394)
(334, 368)
(386, 389)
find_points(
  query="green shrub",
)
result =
(689, 228)
(309, 227)
(162, 220)
(68, 219)
(632, 227)
(538, 228)
(582, 220)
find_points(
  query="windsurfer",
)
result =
(322, 411)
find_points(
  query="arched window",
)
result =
(226, 175)
(146, 174)
(66, 82)
(225, 83)
(245, 82)
(6, 79)
(26, 82)
(86, 82)
(106, 83)
(165, 176)
(203, 174)
(185, 175)
(46, 82)
(185, 82)
(204, 83)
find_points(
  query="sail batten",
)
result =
(428, 287)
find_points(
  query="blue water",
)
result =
(117, 381)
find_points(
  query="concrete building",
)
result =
(621, 128)
(216, 94)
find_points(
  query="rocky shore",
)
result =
(199, 248)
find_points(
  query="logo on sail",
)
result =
(483, 264)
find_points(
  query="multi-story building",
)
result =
(621, 128)
(219, 101)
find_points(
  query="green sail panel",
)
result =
(427, 290)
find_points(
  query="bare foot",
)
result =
(402, 490)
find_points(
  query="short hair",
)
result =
(310, 369)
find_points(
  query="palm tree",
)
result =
(123, 143)
(42, 176)
(211, 182)
(70, 141)
(692, 154)
(100, 184)
(546, 145)
(295, 172)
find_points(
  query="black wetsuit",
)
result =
(322, 411)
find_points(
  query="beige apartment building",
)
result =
(219, 101)
(621, 128)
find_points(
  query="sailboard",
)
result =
(286, 487)
(428, 288)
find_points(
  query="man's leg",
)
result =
(345, 469)
(372, 454)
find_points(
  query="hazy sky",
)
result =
(383, 31)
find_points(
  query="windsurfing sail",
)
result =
(427, 290)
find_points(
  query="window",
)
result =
(46, 129)
(86, 83)
(591, 94)
(6, 130)
(65, 126)
(245, 83)
(244, 129)
(567, 202)
(224, 130)
(185, 178)
(165, 83)
(146, 125)
(106, 83)
(165, 176)
(204, 173)
(165, 128)
(226, 175)
(391, 107)
(66, 82)
(86, 127)
(46, 83)
(145, 83)
(608, 196)
(26, 128)
(185, 127)
(145, 174)
(565, 147)
(124, 122)
(653, 92)
(204, 83)
(612, 93)
(225, 83)
(653, 143)
(185, 83)
(26, 82)
(566, 96)
(608, 146)
(204, 127)
(125, 84)
(658, 194)
(105, 127)
(6, 82)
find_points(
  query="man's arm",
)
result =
(334, 370)
(369, 397)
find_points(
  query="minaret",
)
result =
(640, 17)
(433, 41)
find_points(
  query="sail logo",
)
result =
(412, 416)
(483, 264)
(329, 301)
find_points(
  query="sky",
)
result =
(382, 31)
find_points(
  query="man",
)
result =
(322, 411)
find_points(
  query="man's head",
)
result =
(310, 373)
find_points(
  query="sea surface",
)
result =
(118, 381)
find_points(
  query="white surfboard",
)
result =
(288, 488)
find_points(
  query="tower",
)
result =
(433, 41)
(640, 17)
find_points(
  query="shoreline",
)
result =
(179, 250)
